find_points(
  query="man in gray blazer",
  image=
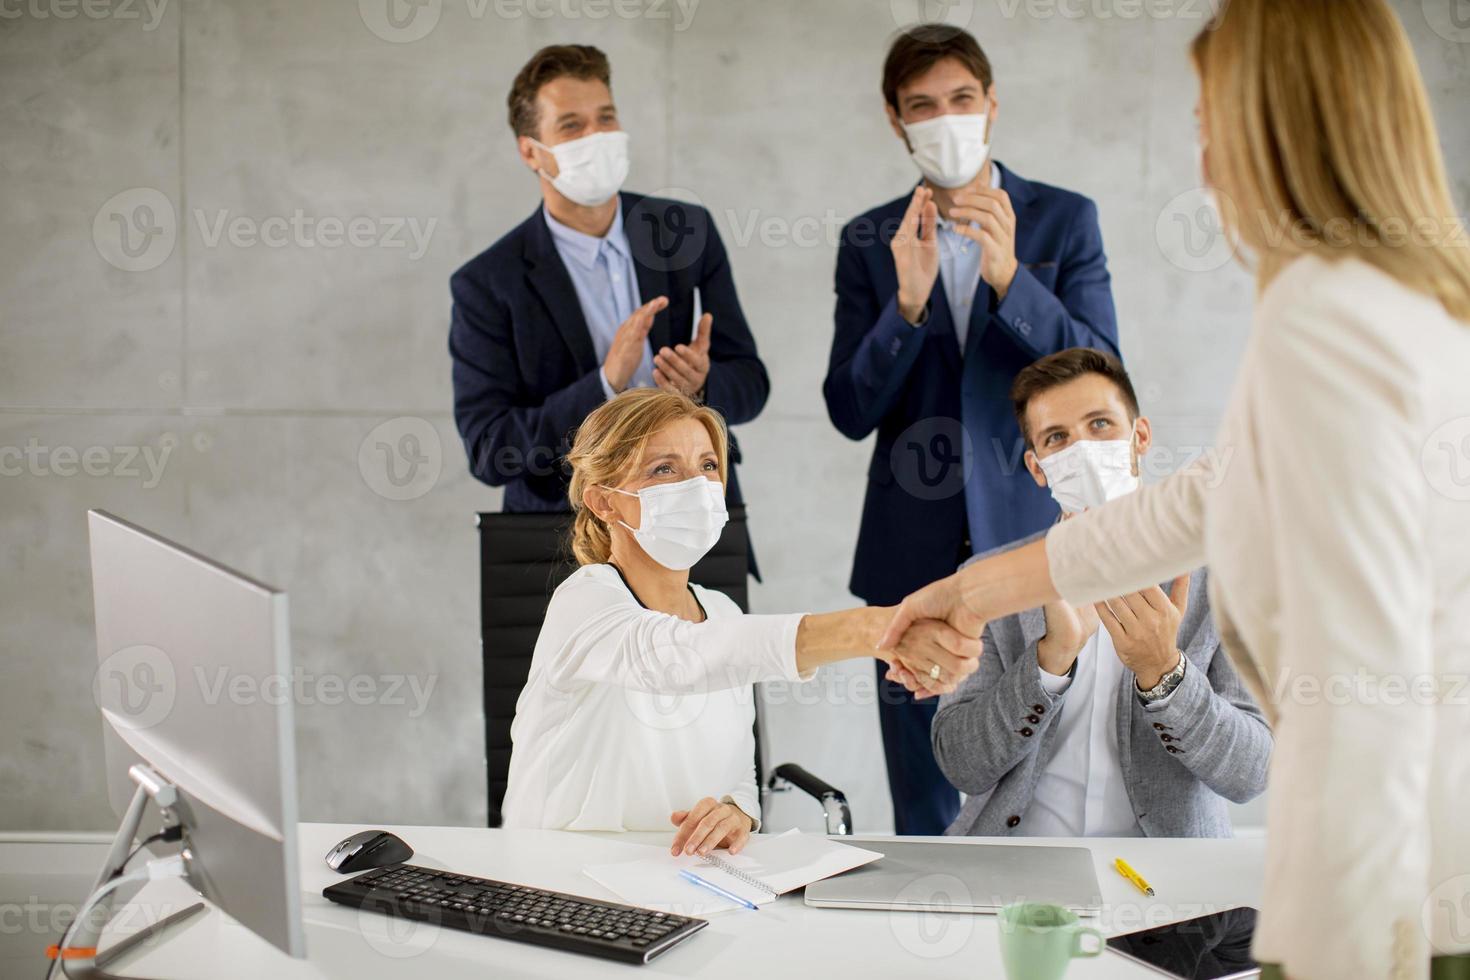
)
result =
(1122, 719)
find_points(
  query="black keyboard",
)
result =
(518, 912)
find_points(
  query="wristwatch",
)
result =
(1165, 686)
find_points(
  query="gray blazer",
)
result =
(1181, 760)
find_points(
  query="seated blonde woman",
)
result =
(637, 712)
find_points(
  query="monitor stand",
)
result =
(89, 927)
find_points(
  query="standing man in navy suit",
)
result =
(943, 296)
(595, 292)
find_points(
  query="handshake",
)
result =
(931, 641)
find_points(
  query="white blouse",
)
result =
(1338, 538)
(630, 714)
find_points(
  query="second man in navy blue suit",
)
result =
(943, 296)
(596, 291)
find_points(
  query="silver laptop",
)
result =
(960, 876)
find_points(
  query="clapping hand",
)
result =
(685, 367)
(1145, 629)
(915, 248)
(985, 215)
(628, 344)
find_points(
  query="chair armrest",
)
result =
(834, 802)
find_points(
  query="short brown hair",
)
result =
(920, 48)
(1068, 365)
(547, 65)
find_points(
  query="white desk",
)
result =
(784, 939)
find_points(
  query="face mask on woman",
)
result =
(1090, 473)
(951, 149)
(679, 522)
(590, 170)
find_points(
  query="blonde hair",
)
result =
(609, 444)
(1320, 138)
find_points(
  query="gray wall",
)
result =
(256, 362)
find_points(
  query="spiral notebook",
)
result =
(767, 868)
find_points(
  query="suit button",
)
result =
(1033, 719)
(1026, 733)
(1166, 738)
(1013, 821)
(1172, 750)
(1039, 709)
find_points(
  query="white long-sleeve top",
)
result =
(630, 714)
(1337, 532)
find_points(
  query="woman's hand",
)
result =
(942, 600)
(709, 824)
(927, 644)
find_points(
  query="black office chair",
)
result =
(523, 558)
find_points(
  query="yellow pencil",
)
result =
(1133, 876)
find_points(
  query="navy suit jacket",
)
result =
(526, 373)
(944, 419)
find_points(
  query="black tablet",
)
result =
(1211, 947)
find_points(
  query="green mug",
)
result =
(1038, 941)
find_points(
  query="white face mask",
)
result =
(679, 523)
(949, 150)
(590, 170)
(1090, 473)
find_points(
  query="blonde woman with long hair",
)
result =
(1338, 536)
(637, 713)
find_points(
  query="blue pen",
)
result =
(688, 875)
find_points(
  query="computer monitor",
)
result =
(176, 633)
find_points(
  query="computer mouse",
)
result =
(368, 849)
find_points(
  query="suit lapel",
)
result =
(550, 281)
(639, 224)
(979, 316)
(941, 323)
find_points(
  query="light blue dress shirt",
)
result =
(959, 270)
(607, 287)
